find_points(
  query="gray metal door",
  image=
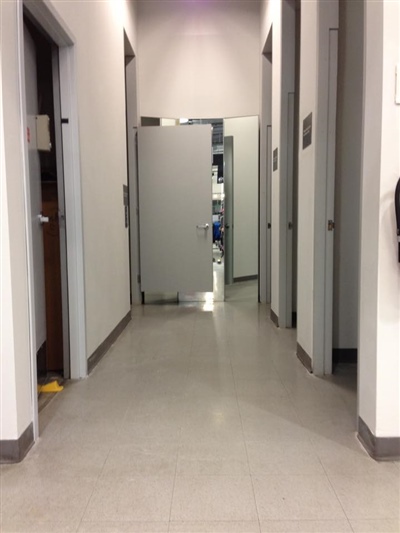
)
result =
(175, 202)
(228, 214)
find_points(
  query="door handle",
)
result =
(227, 226)
(203, 226)
(43, 219)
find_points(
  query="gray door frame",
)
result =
(48, 18)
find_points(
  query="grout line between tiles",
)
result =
(245, 446)
(180, 434)
(334, 491)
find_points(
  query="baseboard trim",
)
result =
(274, 318)
(245, 278)
(13, 451)
(99, 353)
(379, 448)
(304, 357)
(347, 356)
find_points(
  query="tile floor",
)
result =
(201, 421)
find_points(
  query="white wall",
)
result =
(308, 96)
(281, 16)
(15, 387)
(199, 59)
(276, 135)
(265, 181)
(269, 12)
(379, 335)
(316, 20)
(245, 194)
(348, 175)
(98, 31)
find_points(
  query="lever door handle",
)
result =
(203, 226)
(43, 219)
(227, 226)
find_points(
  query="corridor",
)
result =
(201, 419)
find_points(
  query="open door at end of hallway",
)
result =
(175, 199)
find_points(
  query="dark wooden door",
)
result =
(52, 270)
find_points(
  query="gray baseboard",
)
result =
(99, 353)
(274, 318)
(245, 278)
(13, 451)
(304, 358)
(379, 448)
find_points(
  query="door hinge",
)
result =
(331, 225)
(61, 218)
(290, 225)
(139, 278)
(269, 225)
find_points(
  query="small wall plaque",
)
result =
(275, 159)
(307, 131)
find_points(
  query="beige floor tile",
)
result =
(375, 526)
(254, 371)
(214, 527)
(44, 498)
(213, 498)
(266, 426)
(216, 433)
(146, 458)
(150, 427)
(81, 432)
(35, 526)
(65, 460)
(217, 417)
(296, 498)
(288, 457)
(305, 526)
(208, 384)
(123, 527)
(164, 406)
(213, 459)
(200, 405)
(368, 497)
(349, 458)
(137, 499)
(187, 390)
(166, 341)
(207, 344)
(261, 409)
(72, 408)
(260, 388)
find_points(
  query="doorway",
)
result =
(233, 204)
(46, 182)
(347, 189)
(132, 201)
